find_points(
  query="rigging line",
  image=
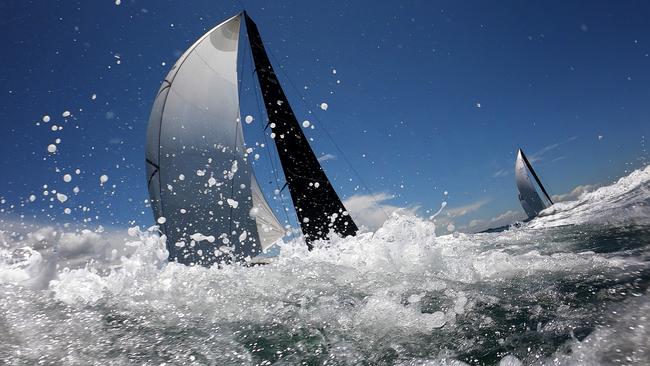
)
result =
(266, 145)
(260, 112)
(345, 158)
(238, 128)
(275, 169)
(258, 97)
(277, 185)
(240, 75)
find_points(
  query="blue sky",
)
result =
(426, 98)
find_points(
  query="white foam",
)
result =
(373, 288)
(627, 337)
(623, 202)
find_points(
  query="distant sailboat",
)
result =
(530, 200)
(203, 190)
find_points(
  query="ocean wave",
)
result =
(626, 202)
(542, 293)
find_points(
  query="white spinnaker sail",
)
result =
(199, 178)
(268, 227)
(528, 196)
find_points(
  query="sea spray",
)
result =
(399, 295)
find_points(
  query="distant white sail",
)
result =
(198, 177)
(528, 196)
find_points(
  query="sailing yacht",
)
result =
(530, 200)
(201, 180)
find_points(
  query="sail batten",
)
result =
(318, 207)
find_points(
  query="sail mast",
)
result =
(318, 207)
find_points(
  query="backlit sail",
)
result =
(530, 200)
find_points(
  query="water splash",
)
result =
(538, 294)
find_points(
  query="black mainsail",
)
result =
(530, 200)
(317, 205)
(203, 190)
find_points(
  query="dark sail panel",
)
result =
(317, 205)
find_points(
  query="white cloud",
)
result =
(538, 156)
(575, 193)
(503, 219)
(326, 157)
(35, 250)
(446, 221)
(85, 243)
(72, 245)
(370, 211)
(464, 210)
(501, 173)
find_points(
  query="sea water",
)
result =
(568, 288)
